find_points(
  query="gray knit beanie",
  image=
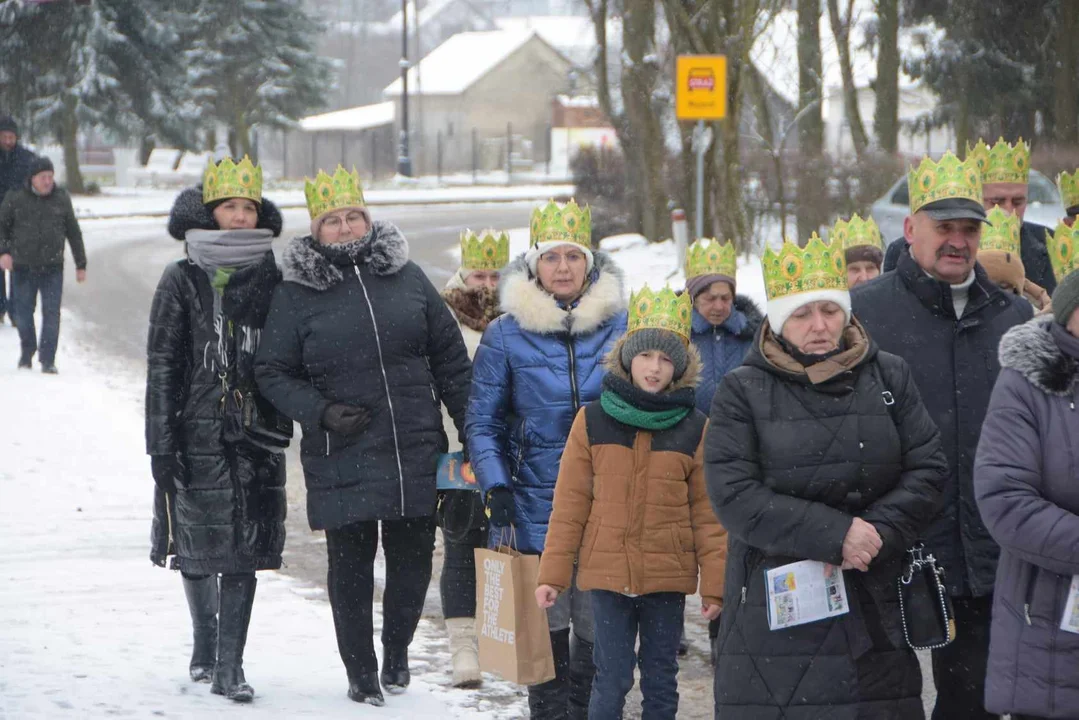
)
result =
(1066, 298)
(665, 341)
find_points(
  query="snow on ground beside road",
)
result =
(118, 202)
(91, 629)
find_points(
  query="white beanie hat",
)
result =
(781, 308)
(533, 255)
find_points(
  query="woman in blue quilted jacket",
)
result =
(535, 367)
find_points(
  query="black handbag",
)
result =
(460, 512)
(251, 419)
(924, 604)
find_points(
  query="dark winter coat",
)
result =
(375, 334)
(1026, 480)
(33, 229)
(14, 169)
(229, 516)
(1032, 251)
(790, 460)
(723, 346)
(954, 363)
(536, 366)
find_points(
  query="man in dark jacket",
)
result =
(15, 162)
(939, 310)
(1005, 174)
(35, 220)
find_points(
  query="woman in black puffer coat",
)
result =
(361, 350)
(219, 501)
(820, 449)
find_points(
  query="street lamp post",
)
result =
(404, 162)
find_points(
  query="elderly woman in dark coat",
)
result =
(1026, 477)
(361, 350)
(819, 449)
(220, 501)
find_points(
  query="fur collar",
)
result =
(613, 363)
(188, 213)
(537, 311)
(1030, 350)
(475, 308)
(385, 252)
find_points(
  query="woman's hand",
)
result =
(860, 546)
(711, 612)
(546, 596)
(344, 419)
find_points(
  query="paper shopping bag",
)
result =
(514, 638)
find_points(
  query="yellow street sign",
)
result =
(701, 87)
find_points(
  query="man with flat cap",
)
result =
(940, 312)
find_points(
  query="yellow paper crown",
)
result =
(1063, 247)
(710, 257)
(1002, 163)
(1069, 189)
(793, 270)
(227, 179)
(664, 310)
(856, 232)
(949, 179)
(489, 250)
(1003, 232)
(567, 223)
(325, 194)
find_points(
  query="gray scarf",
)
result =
(212, 250)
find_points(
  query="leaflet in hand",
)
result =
(454, 473)
(1070, 621)
(804, 592)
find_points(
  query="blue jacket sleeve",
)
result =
(486, 426)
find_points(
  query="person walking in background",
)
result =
(1025, 480)
(536, 366)
(35, 221)
(819, 449)
(219, 500)
(631, 510)
(943, 315)
(15, 160)
(862, 246)
(360, 349)
(472, 295)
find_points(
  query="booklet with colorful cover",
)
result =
(804, 592)
(455, 474)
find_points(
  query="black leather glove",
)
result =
(500, 507)
(169, 471)
(344, 419)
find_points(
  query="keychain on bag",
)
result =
(924, 604)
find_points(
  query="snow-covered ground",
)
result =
(91, 629)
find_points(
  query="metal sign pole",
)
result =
(699, 132)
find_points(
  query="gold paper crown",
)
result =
(1069, 189)
(1063, 250)
(664, 310)
(325, 194)
(709, 257)
(793, 270)
(227, 179)
(1001, 163)
(856, 232)
(489, 250)
(1002, 234)
(949, 179)
(567, 223)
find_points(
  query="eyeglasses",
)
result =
(553, 259)
(354, 220)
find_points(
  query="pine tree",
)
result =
(253, 62)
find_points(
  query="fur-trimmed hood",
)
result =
(189, 213)
(537, 311)
(613, 363)
(384, 251)
(1030, 350)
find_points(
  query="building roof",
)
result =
(572, 35)
(457, 64)
(363, 117)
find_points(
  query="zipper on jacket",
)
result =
(327, 443)
(386, 384)
(431, 373)
(574, 393)
(1029, 597)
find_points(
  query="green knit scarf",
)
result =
(615, 406)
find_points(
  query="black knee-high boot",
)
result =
(201, 596)
(548, 701)
(581, 671)
(236, 598)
